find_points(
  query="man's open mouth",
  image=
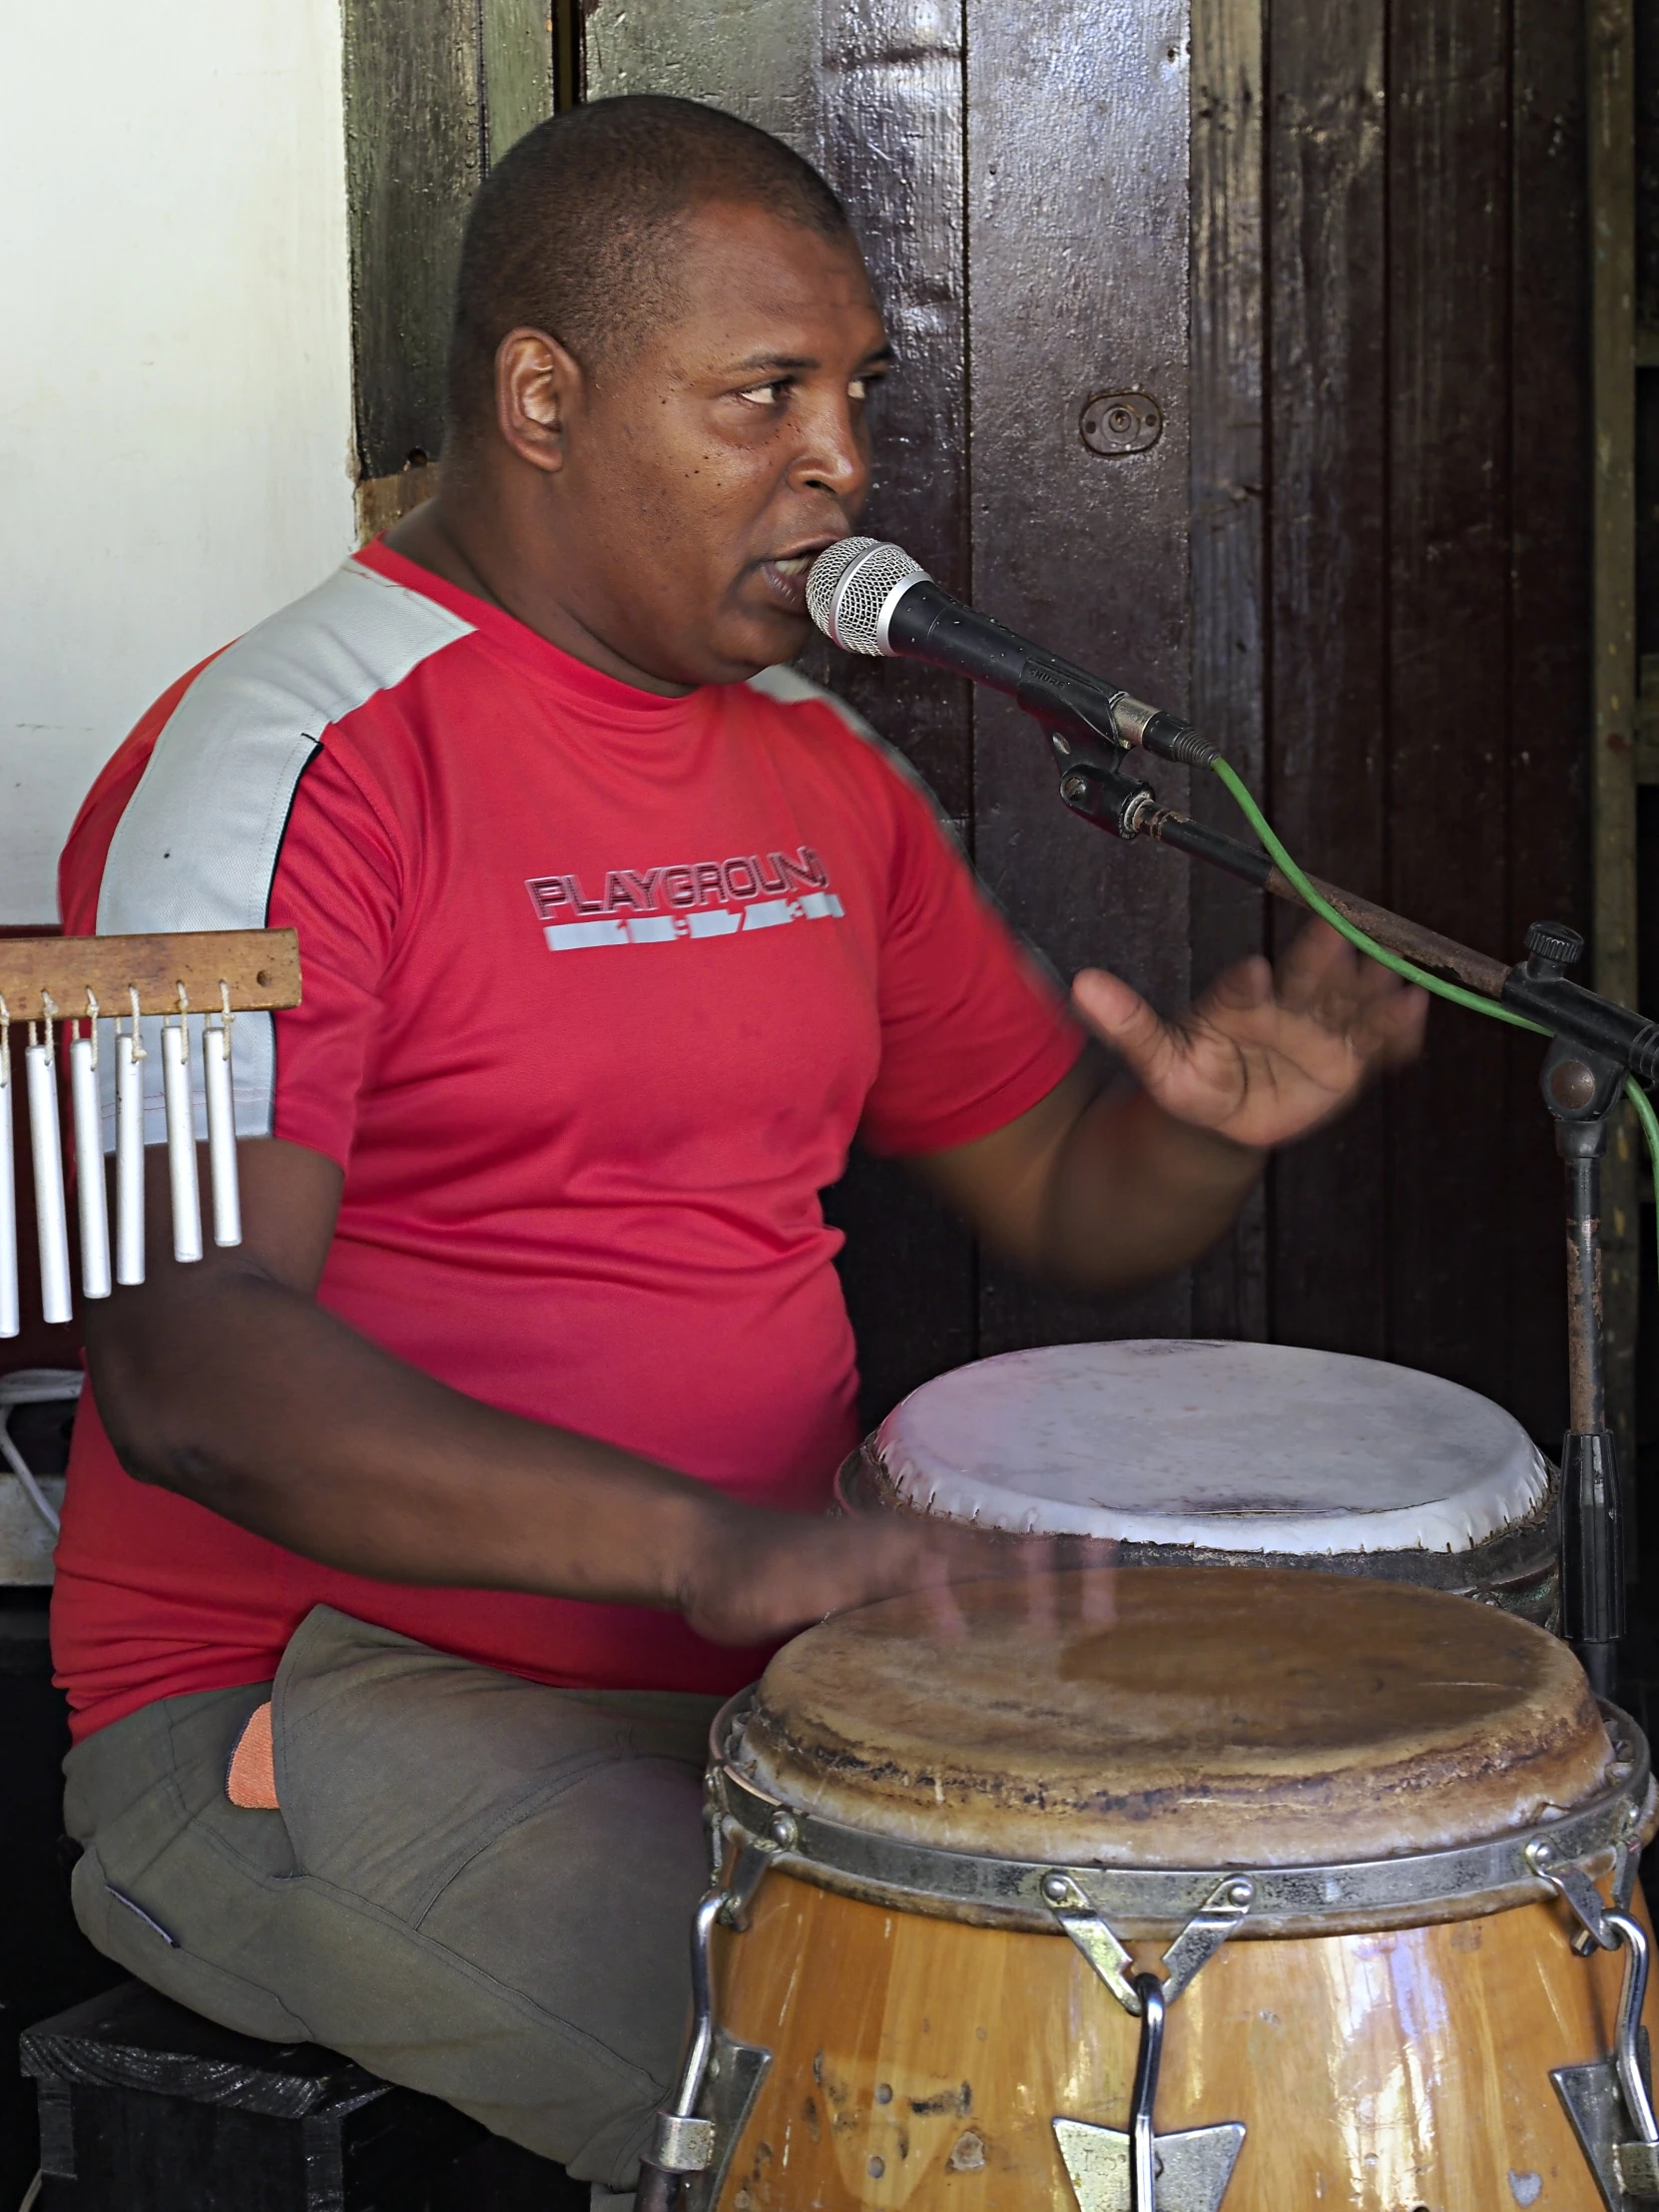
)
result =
(786, 577)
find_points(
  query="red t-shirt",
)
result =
(598, 989)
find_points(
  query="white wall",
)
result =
(175, 367)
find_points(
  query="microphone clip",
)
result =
(1095, 788)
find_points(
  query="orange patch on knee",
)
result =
(251, 1781)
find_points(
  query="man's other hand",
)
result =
(1265, 1058)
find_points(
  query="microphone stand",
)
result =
(1594, 1044)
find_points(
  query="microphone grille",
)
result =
(850, 586)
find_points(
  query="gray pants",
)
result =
(477, 1886)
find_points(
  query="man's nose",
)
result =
(832, 455)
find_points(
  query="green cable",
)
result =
(1354, 935)
(1650, 1130)
(1357, 937)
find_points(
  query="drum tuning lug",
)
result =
(1093, 1938)
(785, 1831)
(1582, 1897)
(1216, 1918)
(1610, 2103)
(1135, 2169)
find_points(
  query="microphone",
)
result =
(868, 597)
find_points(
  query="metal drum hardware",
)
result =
(1610, 2101)
(1400, 1892)
(1135, 2169)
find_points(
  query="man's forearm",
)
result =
(227, 1382)
(1133, 1192)
(254, 1401)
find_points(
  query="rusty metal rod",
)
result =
(1477, 971)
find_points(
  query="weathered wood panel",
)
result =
(1448, 308)
(1229, 548)
(414, 158)
(1611, 120)
(435, 92)
(891, 142)
(1326, 773)
(1548, 479)
(516, 70)
(873, 95)
(1077, 246)
(1386, 419)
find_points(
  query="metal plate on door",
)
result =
(1114, 422)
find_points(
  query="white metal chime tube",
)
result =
(91, 1190)
(222, 1126)
(180, 1139)
(10, 1311)
(46, 1148)
(130, 1057)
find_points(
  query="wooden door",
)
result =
(1344, 251)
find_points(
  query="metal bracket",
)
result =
(1608, 2101)
(1135, 2169)
(1205, 1932)
(1193, 2168)
(729, 2087)
(687, 2138)
(1571, 1884)
(1079, 1920)
(1216, 1918)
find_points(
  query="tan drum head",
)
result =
(1179, 1717)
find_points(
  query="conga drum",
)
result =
(1210, 1455)
(1227, 1890)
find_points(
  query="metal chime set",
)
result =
(68, 985)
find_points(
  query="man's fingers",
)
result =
(1126, 1022)
(1317, 959)
(1242, 987)
(1390, 1029)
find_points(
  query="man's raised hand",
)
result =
(1265, 1058)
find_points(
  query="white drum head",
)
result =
(1224, 1446)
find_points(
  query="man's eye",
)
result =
(766, 396)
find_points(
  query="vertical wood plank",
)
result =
(1549, 473)
(891, 142)
(758, 58)
(1077, 130)
(1326, 778)
(871, 91)
(1449, 711)
(1612, 185)
(413, 163)
(1229, 553)
(517, 61)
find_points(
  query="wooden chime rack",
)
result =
(55, 985)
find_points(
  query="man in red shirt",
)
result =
(499, 1448)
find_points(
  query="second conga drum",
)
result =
(1193, 1454)
(1268, 1882)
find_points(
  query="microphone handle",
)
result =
(927, 624)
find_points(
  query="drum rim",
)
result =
(1526, 1553)
(1462, 1881)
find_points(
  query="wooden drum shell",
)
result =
(920, 2062)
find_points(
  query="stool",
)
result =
(145, 2107)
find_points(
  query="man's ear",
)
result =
(538, 384)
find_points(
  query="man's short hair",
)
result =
(572, 230)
